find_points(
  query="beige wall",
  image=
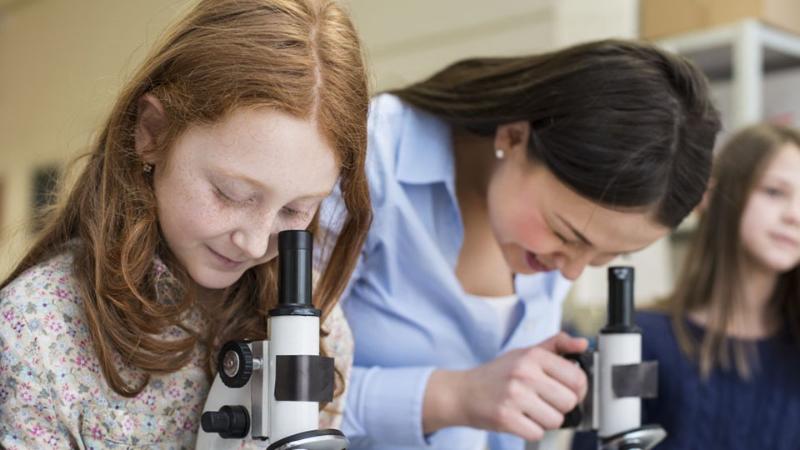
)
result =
(61, 63)
(407, 40)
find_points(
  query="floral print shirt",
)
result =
(52, 391)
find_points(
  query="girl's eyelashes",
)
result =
(229, 199)
(288, 211)
(222, 195)
(773, 191)
(302, 209)
(292, 212)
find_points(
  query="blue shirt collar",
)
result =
(425, 153)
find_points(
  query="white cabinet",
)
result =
(739, 55)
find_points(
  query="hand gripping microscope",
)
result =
(268, 392)
(618, 379)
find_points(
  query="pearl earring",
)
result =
(147, 168)
(499, 153)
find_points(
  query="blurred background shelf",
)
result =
(742, 53)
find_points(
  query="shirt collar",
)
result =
(425, 153)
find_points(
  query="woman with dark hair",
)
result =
(728, 338)
(493, 183)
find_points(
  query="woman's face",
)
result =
(770, 227)
(542, 225)
(228, 189)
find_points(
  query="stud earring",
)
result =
(499, 153)
(147, 168)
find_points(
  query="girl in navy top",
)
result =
(728, 344)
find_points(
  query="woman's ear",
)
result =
(512, 138)
(150, 123)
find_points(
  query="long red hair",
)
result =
(301, 57)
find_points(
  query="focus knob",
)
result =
(231, 422)
(235, 364)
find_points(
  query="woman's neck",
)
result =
(474, 162)
(481, 268)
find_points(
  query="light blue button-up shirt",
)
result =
(408, 311)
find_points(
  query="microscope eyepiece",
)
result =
(295, 254)
(295, 248)
(620, 301)
(290, 240)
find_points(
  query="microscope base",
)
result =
(642, 438)
(312, 440)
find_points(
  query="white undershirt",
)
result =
(504, 306)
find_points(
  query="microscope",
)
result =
(267, 393)
(618, 379)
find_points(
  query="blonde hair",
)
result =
(301, 57)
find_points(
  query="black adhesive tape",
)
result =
(635, 380)
(303, 378)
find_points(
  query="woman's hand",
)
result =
(523, 392)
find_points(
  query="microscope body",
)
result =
(618, 378)
(268, 392)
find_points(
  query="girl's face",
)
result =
(542, 225)
(770, 228)
(228, 189)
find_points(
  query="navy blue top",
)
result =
(725, 412)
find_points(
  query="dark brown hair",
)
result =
(621, 123)
(713, 269)
(301, 57)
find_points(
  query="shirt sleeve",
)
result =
(379, 402)
(386, 403)
(332, 214)
(28, 420)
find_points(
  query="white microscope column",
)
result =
(618, 414)
(291, 335)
